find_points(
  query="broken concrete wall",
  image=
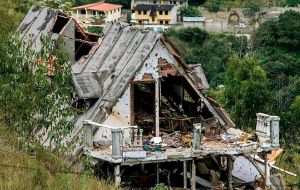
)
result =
(68, 35)
(244, 170)
(120, 115)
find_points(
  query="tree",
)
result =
(210, 50)
(251, 10)
(246, 90)
(291, 124)
(265, 35)
(36, 90)
(213, 5)
(291, 3)
(289, 30)
(190, 11)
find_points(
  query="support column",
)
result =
(87, 134)
(267, 173)
(157, 100)
(229, 172)
(157, 173)
(193, 175)
(184, 175)
(143, 168)
(117, 175)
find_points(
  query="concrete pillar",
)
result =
(117, 175)
(130, 137)
(267, 173)
(77, 13)
(86, 13)
(197, 136)
(275, 130)
(141, 138)
(135, 137)
(193, 175)
(229, 172)
(116, 135)
(87, 135)
(184, 174)
(157, 91)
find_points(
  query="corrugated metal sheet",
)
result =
(37, 22)
(198, 75)
(111, 65)
(119, 48)
(107, 72)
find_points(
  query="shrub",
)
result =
(190, 11)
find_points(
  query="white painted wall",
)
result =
(110, 16)
(113, 15)
(120, 115)
(243, 169)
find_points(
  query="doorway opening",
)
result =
(143, 105)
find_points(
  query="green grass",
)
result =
(40, 169)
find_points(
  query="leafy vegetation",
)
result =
(213, 5)
(36, 90)
(246, 90)
(94, 29)
(211, 50)
(159, 186)
(190, 11)
(264, 78)
(38, 168)
(35, 96)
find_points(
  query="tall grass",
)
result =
(39, 169)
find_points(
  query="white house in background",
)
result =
(86, 13)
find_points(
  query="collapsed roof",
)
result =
(111, 66)
(46, 22)
(103, 70)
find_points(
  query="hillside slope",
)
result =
(24, 166)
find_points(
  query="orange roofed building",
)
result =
(87, 13)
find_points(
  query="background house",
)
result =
(176, 3)
(155, 14)
(87, 13)
(152, 11)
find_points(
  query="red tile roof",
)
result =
(99, 6)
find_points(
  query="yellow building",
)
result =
(155, 14)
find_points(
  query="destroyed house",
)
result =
(45, 22)
(148, 119)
